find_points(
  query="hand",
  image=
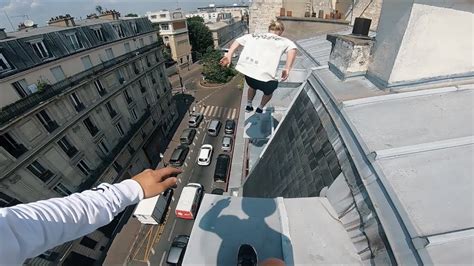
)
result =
(284, 74)
(223, 203)
(225, 61)
(153, 182)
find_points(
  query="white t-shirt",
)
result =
(261, 55)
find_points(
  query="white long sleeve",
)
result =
(27, 230)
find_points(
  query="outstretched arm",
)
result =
(290, 60)
(28, 230)
(227, 59)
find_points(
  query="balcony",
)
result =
(109, 159)
(79, 107)
(71, 152)
(25, 104)
(93, 130)
(18, 151)
(102, 92)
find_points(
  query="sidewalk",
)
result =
(194, 70)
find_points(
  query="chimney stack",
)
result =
(110, 15)
(3, 34)
(62, 21)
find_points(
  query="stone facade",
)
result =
(262, 12)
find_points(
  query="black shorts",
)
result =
(268, 87)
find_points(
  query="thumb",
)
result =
(169, 182)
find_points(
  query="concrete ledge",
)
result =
(320, 20)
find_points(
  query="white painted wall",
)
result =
(422, 40)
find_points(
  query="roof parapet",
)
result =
(62, 21)
(110, 15)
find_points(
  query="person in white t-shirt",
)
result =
(259, 61)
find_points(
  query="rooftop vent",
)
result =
(62, 21)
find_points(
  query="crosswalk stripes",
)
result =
(218, 111)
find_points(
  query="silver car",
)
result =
(227, 143)
(195, 120)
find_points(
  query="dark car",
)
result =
(177, 250)
(229, 126)
(222, 167)
(217, 191)
(187, 136)
(179, 155)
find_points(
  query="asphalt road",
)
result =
(221, 103)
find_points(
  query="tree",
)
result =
(213, 71)
(131, 15)
(200, 37)
(99, 9)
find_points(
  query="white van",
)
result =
(153, 210)
(189, 201)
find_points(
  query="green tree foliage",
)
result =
(200, 37)
(131, 15)
(212, 71)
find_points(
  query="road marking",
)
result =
(201, 109)
(163, 258)
(211, 111)
(171, 232)
(172, 198)
(227, 112)
(203, 139)
(148, 262)
(185, 164)
(205, 110)
(179, 180)
(221, 110)
(234, 113)
(152, 251)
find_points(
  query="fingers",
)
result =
(169, 182)
(166, 172)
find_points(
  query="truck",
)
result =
(153, 210)
(189, 201)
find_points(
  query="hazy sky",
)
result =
(40, 11)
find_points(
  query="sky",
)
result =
(40, 11)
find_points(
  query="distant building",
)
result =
(174, 31)
(211, 16)
(225, 31)
(82, 102)
(237, 11)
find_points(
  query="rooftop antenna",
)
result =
(11, 24)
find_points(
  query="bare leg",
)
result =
(251, 94)
(265, 100)
(272, 262)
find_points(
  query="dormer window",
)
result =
(40, 49)
(118, 28)
(76, 44)
(134, 27)
(99, 34)
(4, 65)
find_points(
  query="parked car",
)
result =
(153, 210)
(205, 155)
(222, 167)
(226, 143)
(189, 201)
(179, 155)
(217, 191)
(177, 250)
(214, 127)
(229, 126)
(187, 136)
(195, 120)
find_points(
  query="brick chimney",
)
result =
(62, 21)
(110, 15)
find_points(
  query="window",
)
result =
(164, 26)
(83, 167)
(4, 65)
(39, 171)
(142, 88)
(162, 15)
(142, 43)
(153, 16)
(119, 30)
(134, 114)
(88, 242)
(62, 190)
(58, 73)
(181, 60)
(90, 127)
(103, 147)
(78, 105)
(99, 34)
(127, 47)
(49, 124)
(67, 147)
(76, 44)
(11, 146)
(110, 109)
(120, 76)
(7, 201)
(167, 38)
(100, 88)
(127, 97)
(110, 53)
(86, 61)
(134, 27)
(151, 39)
(40, 49)
(117, 167)
(119, 129)
(21, 87)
